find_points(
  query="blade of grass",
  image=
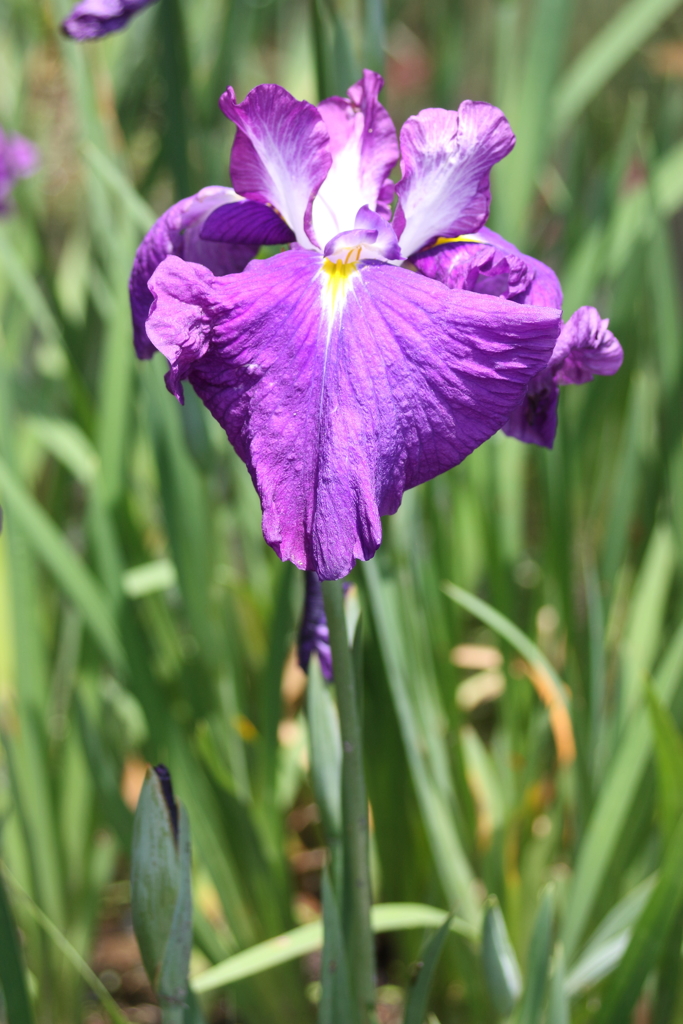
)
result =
(605, 54)
(12, 970)
(385, 917)
(418, 997)
(69, 570)
(71, 954)
(617, 792)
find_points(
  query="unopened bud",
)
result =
(160, 891)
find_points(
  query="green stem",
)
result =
(358, 931)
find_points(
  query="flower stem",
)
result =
(358, 933)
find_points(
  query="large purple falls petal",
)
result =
(91, 19)
(178, 232)
(281, 153)
(342, 389)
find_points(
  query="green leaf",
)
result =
(538, 961)
(501, 969)
(418, 998)
(12, 970)
(422, 739)
(669, 761)
(649, 936)
(558, 1001)
(605, 54)
(617, 793)
(326, 750)
(385, 917)
(66, 565)
(337, 1003)
(609, 941)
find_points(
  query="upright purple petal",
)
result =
(585, 347)
(18, 159)
(314, 635)
(91, 19)
(535, 418)
(364, 149)
(486, 262)
(281, 153)
(178, 232)
(341, 386)
(446, 158)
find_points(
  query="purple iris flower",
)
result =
(314, 635)
(341, 376)
(90, 19)
(18, 159)
(486, 263)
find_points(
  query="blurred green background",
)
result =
(143, 618)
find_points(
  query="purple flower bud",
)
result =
(314, 635)
(91, 19)
(164, 777)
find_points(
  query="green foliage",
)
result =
(143, 619)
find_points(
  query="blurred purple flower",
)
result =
(18, 159)
(90, 19)
(486, 263)
(314, 635)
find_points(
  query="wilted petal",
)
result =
(178, 232)
(341, 388)
(91, 19)
(364, 149)
(535, 418)
(545, 288)
(281, 153)
(248, 222)
(314, 635)
(585, 347)
(446, 158)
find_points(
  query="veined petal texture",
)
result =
(364, 149)
(91, 19)
(486, 262)
(178, 232)
(281, 153)
(341, 386)
(446, 159)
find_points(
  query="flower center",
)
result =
(337, 278)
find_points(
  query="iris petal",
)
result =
(178, 231)
(247, 222)
(446, 158)
(340, 398)
(493, 266)
(281, 153)
(585, 347)
(364, 149)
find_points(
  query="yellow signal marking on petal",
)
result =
(461, 238)
(338, 282)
